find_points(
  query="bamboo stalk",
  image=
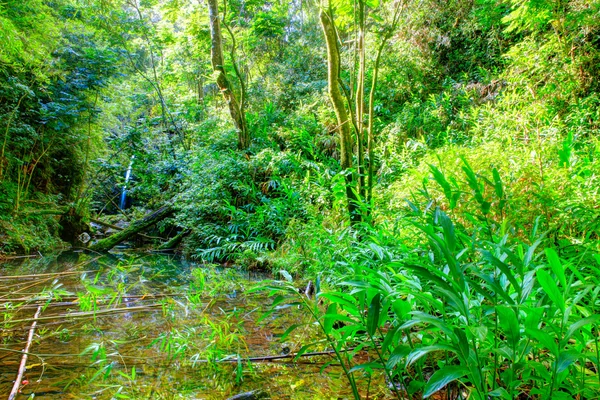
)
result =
(10, 277)
(91, 314)
(129, 296)
(23, 365)
(36, 283)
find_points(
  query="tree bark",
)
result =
(133, 229)
(335, 94)
(216, 51)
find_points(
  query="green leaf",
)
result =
(330, 317)
(579, 324)
(443, 377)
(462, 344)
(289, 330)
(543, 338)
(401, 308)
(504, 268)
(416, 354)
(397, 355)
(373, 315)
(498, 185)
(551, 289)
(368, 367)
(441, 180)
(566, 358)
(556, 266)
(448, 227)
(500, 392)
(509, 323)
(343, 299)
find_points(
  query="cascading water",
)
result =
(124, 192)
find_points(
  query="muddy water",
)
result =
(151, 327)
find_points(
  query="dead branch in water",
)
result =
(11, 277)
(23, 366)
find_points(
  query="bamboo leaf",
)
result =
(289, 330)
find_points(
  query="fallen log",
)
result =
(118, 228)
(133, 229)
(174, 241)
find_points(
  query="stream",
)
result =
(147, 326)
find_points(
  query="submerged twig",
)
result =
(23, 365)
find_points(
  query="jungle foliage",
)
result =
(436, 164)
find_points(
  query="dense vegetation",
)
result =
(434, 166)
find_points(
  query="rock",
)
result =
(84, 237)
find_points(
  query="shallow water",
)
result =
(151, 326)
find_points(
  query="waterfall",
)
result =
(124, 192)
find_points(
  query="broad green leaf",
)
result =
(401, 308)
(330, 318)
(441, 180)
(443, 377)
(547, 341)
(579, 324)
(551, 289)
(566, 358)
(373, 314)
(397, 355)
(462, 344)
(498, 185)
(530, 252)
(416, 354)
(500, 392)
(556, 266)
(504, 268)
(389, 338)
(448, 228)
(343, 299)
(509, 323)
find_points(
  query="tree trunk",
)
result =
(346, 145)
(216, 51)
(133, 229)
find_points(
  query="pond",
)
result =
(154, 327)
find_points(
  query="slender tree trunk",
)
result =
(371, 107)
(360, 99)
(346, 145)
(235, 109)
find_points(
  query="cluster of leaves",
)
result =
(475, 310)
